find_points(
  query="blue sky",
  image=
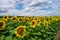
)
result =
(19, 6)
(30, 7)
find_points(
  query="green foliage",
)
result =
(38, 33)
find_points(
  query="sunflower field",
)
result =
(29, 27)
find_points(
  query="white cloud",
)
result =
(28, 10)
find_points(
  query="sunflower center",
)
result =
(38, 21)
(5, 17)
(14, 18)
(35, 18)
(33, 23)
(20, 19)
(30, 18)
(1, 24)
(26, 20)
(20, 31)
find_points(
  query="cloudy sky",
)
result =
(30, 7)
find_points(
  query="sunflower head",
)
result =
(38, 22)
(45, 21)
(20, 19)
(36, 18)
(47, 24)
(33, 23)
(53, 20)
(43, 18)
(30, 17)
(5, 17)
(49, 21)
(59, 18)
(26, 19)
(20, 31)
(2, 24)
(14, 18)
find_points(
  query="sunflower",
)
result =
(2, 24)
(38, 22)
(42, 18)
(14, 18)
(26, 19)
(20, 19)
(20, 31)
(30, 17)
(53, 20)
(49, 21)
(45, 22)
(36, 18)
(33, 23)
(49, 17)
(56, 19)
(5, 17)
(59, 18)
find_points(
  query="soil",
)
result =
(57, 36)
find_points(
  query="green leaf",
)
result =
(36, 37)
(48, 39)
(42, 30)
(49, 33)
(2, 37)
(19, 38)
(44, 35)
(39, 33)
(40, 39)
(15, 38)
(12, 31)
(8, 38)
(33, 39)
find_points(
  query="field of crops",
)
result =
(29, 27)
